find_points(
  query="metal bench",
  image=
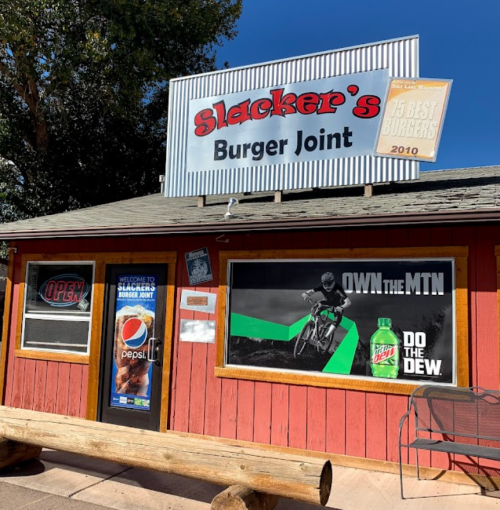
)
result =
(467, 421)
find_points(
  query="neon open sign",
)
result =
(64, 290)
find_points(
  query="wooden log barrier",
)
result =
(297, 477)
(13, 453)
(237, 497)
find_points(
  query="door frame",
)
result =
(102, 260)
(107, 413)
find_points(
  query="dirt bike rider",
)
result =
(335, 298)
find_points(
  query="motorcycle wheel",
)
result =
(303, 339)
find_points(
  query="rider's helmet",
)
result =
(328, 281)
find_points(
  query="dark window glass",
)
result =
(59, 289)
(40, 334)
(63, 294)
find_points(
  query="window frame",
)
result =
(66, 317)
(95, 316)
(461, 368)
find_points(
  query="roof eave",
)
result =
(386, 220)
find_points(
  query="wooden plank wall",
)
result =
(40, 385)
(330, 420)
(337, 421)
(51, 386)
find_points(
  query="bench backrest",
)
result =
(465, 412)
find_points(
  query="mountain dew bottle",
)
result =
(384, 351)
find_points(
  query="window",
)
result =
(371, 319)
(57, 307)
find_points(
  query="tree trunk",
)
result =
(241, 498)
(304, 478)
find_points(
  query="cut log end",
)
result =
(13, 453)
(237, 497)
(325, 487)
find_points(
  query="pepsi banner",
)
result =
(134, 327)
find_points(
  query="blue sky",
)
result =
(459, 40)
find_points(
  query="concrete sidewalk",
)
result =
(65, 481)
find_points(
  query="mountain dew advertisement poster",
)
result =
(384, 319)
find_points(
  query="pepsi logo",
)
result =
(134, 333)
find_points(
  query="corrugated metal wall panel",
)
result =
(400, 56)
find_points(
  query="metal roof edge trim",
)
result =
(386, 220)
(298, 57)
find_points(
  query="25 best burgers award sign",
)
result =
(322, 119)
(413, 118)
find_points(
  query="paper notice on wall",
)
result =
(198, 266)
(197, 331)
(198, 301)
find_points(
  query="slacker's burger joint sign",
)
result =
(329, 118)
(313, 120)
(320, 119)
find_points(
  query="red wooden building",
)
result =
(61, 351)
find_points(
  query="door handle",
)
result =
(153, 350)
(157, 352)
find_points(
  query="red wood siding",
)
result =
(338, 421)
(44, 385)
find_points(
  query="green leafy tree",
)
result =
(84, 94)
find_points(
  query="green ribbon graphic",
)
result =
(339, 363)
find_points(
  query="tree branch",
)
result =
(30, 96)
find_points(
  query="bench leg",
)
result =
(237, 497)
(400, 473)
(418, 469)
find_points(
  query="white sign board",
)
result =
(197, 331)
(304, 122)
(307, 121)
(198, 301)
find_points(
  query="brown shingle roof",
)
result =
(472, 192)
